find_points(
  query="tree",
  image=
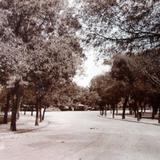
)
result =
(110, 90)
(128, 28)
(147, 81)
(38, 50)
(124, 26)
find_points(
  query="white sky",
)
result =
(91, 69)
(71, 3)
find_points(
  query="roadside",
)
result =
(131, 118)
(80, 136)
(25, 124)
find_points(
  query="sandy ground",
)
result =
(81, 136)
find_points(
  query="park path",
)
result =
(81, 136)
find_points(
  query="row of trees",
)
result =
(129, 33)
(129, 85)
(39, 52)
(117, 26)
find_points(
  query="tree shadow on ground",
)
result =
(20, 130)
(25, 130)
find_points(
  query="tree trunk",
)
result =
(116, 109)
(105, 110)
(17, 97)
(101, 110)
(113, 107)
(44, 112)
(139, 114)
(145, 108)
(37, 113)
(40, 114)
(15, 107)
(153, 112)
(32, 111)
(159, 115)
(6, 109)
(24, 111)
(13, 119)
(130, 109)
(141, 105)
(124, 107)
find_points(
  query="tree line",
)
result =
(128, 33)
(39, 53)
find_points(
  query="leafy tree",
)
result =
(109, 90)
(125, 27)
(122, 25)
(38, 51)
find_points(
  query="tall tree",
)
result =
(38, 49)
(128, 26)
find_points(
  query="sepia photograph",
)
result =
(79, 79)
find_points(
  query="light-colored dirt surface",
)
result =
(81, 136)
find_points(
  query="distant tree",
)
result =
(147, 79)
(123, 69)
(141, 81)
(110, 91)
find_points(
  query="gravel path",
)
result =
(81, 136)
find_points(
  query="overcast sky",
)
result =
(91, 68)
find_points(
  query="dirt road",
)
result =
(80, 136)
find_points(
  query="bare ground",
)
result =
(81, 136)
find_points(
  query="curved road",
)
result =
(81, 136)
